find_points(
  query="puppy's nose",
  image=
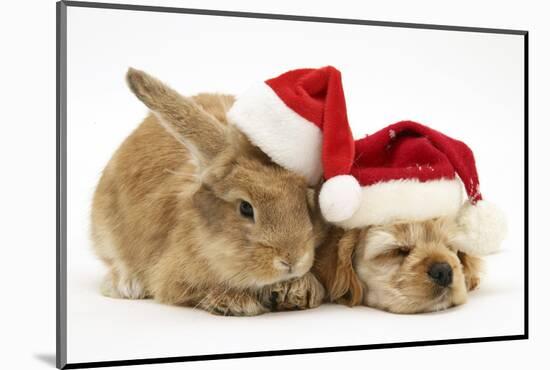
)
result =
(441, 273)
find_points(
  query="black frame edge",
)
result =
(526, 181)
(303, 351)
(61, 184)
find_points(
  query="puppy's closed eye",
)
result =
(394, 253)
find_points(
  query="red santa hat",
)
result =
(408, 172)
(299, 119)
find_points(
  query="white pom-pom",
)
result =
(483, 228)
(339, 198)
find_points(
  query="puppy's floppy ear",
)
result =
(320, 227)
(199, 131)
(346, 287)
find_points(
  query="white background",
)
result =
(28, 192)
(469, 85)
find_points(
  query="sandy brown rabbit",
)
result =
(188, 212)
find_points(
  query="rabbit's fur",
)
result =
(165, 214)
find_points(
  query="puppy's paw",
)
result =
(296, 294)
(472, 281)
(472, 268)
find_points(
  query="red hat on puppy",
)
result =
(299, 120)
(409, 172)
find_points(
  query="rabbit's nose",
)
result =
(282, 264)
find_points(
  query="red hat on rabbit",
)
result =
(408, 172)
(299, 119)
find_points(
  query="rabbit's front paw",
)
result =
(296, 294)
(116, 285)
(233, 304)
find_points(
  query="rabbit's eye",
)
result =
(404, 251)
(246, 209)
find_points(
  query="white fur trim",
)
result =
(483, 228)
(339, 198)
(289, 139)
(406, 200)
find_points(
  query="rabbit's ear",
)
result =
(346, 287)
(199, 131)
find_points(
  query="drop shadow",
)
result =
(47, 358)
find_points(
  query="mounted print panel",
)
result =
(286, 214)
